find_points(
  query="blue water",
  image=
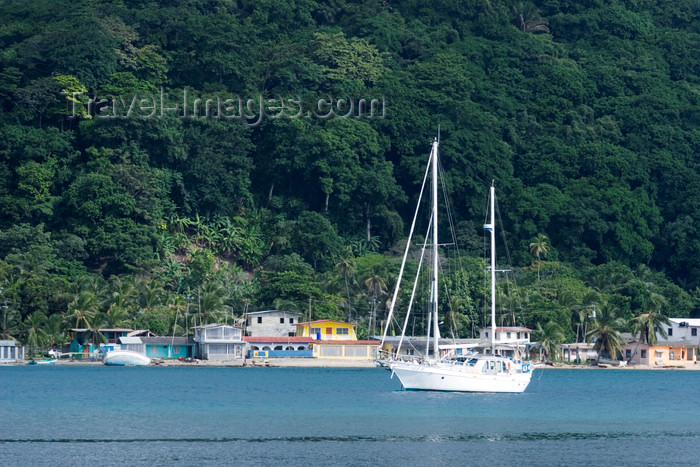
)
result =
(313, 416)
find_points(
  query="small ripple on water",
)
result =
(507, 437)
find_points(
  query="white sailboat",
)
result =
(477, 373)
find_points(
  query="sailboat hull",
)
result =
(456, 377)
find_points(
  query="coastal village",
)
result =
(276, 338)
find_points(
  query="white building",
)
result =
(682, 330)
(219, 342)
(507, 335)
(10, 352)
(271, 323)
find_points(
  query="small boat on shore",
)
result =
(125, 358)
(48, 361)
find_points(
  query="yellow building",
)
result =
(337, 340)
(661, 354)
(345, 350)
(327, 330)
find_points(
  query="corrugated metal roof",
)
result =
(177, 340)
(216, 325)
(324, 321)
(273, 311)
(130, 340)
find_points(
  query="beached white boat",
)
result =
(49, 361)
(477, 373)
(125, 358)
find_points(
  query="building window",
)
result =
(315, 331)
(517, 335)
(278, 347)
(670, 331)
(644, 354)
(291, 320)
(659, 354)
(486, 334)
(628, 353)
(281, 320)
(259, 319)
(344, 331)
(508, 335)
(694, 331)
(329, 331)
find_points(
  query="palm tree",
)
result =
(212, 302)
(34, 333)
(83, 308)
(650, 322)
(647, 324)
(376, 284)
(98, 322)
(606, 328)
(551, 335)
(582, 312)
(537, 248)
(528, 19)
(346, 267)
(55, 329)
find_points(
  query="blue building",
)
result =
(160, 347)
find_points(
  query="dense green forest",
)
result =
(118, 209)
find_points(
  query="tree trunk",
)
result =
(369, 222)
(269, 195)
(327, 196)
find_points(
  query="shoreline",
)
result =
(332, 363)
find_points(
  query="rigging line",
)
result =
(453, 232)
(415, 284)
(450, 215)
(408, 244)
(505, 243)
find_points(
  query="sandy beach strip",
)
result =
(337, 363)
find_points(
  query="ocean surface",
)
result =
(65, 415)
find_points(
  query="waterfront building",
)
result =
(326, 330)
(290, 346)
(580, 352)
(346, 349)
(11, 352)
(271, 323)
(160, 347)
(514, 335)
(678, 348)
(219, 342)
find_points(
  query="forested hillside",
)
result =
(127, 200)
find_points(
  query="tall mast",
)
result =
(493, 269)
(434, 294)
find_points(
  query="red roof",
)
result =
(324, 321)
(278, 340)
(332, 342)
